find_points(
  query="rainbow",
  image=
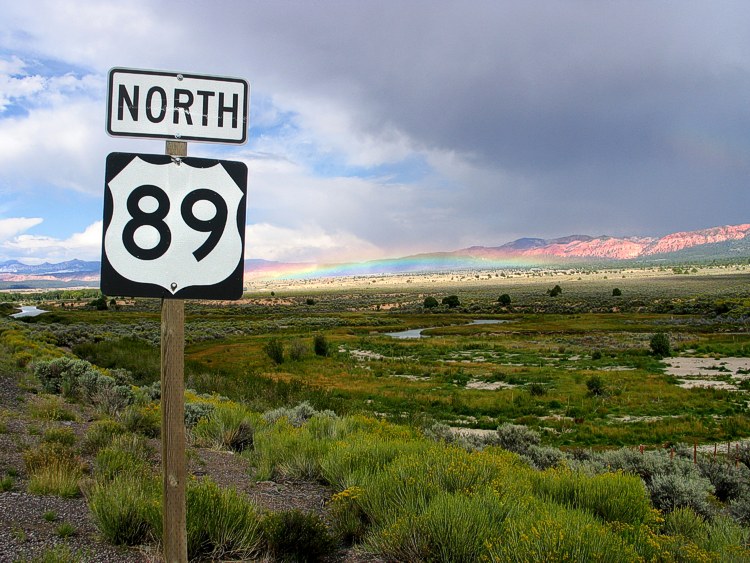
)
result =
(421, 263)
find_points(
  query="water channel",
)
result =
(28, 311)
(417, 332)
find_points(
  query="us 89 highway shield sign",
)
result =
(173, 227)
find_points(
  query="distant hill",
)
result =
(717, 243)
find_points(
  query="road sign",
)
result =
(172, 105)
(173, 227)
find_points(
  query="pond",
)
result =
(417, 332)
(28, 311)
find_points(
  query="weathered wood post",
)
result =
(173, 416)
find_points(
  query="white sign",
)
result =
(171, 105)
(173, 227)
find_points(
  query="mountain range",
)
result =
(731, 241)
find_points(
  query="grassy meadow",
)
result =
(510, 439)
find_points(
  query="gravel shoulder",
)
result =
(29, 523)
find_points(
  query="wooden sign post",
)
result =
(173, 416)
(138, 254)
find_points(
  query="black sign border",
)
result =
(114, 284)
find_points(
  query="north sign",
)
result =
(173, 227)
(177, 106)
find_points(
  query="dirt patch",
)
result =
(721, 373)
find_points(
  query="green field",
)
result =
(578, 367)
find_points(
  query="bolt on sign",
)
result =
(173, 227)
(171, 105)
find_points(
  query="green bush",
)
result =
(195, 411)
(320, 345)
(145, 420)
(62, 435)
(293, 535)
(221, 523)
(50, 407)
(504, 300)
(100, 434)
(297, 350)
(595, 385)
(516, 437)
(613, 497)
(451, 301)
(536, 531)
(53, 469)
(430, 302)
(228, 426)
(127, 454)
(660, 345)
(126, 510)
(274, 348)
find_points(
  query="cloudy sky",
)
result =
(390, 127)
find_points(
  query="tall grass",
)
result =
(53, 469)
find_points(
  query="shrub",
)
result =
(537, 531)
(53, 469)
(504, 300)
(126, 455)
(543, 457)
(347, 517)
(660, 346)
(111, 398)
(54, 374)
(100, 434)
(537, 389)
(50, 407)
(729, 482)
(617, 292)
(739, 507)
(297, 350)
(297, 415)
(142, 420)
(320, 345)
(65, 530)
(63, 436)
(282, 449)
(672, 491)
(126, 511)
(6, 483)
(274, 348)
(229, 426)
(194, 412)
(221, 523)
(293, 535)
(516, 437)
(613, 497)
(430, 302)
(595, 385)
(451, 301)
(555, 291)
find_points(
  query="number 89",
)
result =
(155, 219)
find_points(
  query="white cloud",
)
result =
(307, 244)
(85, 245)
(16, 225)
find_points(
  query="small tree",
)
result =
(616, 292)
(504, 300)
(452, 301)
(555, 291)
(320, 345)
(595, 385)
(660, 345)
(275, 350)
(430, 302)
